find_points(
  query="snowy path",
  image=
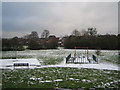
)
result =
(106, 66)
(9, 63)
(4, 63)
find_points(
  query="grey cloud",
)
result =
(60, 18)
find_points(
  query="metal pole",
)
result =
(87, 53)
(75, 53)
(16, 53)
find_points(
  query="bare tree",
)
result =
(92, 31)
(84, 32)
(45, 34)
(26, 36)
(33, 35)
(76, 32)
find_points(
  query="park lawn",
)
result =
(60, 77)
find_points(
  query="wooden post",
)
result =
(75, 53)
(87, 53)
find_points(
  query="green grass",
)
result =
(50, 60)
(72, 78)
(56, 56)
(111, 59)
(18, 56)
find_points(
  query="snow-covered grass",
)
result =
(50, 60)
(60, 78)
(110, 56)
(19, 63)
(56, 56)
(50, 75)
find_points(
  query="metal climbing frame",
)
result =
(81, 59)
(76, 52)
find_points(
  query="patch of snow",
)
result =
(77, 79)
(107, 66)
(71, 78)
(45, 81)
(9, 63)
(34, 63)
(84, 80)
(39, 78)
(32, 78)
(58, 80)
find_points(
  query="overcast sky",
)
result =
(60, 18)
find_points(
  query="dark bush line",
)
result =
(104, 42)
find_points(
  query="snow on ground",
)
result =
(34, 63)
(9, 63)
(106, 66)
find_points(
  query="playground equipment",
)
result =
(81, 59)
